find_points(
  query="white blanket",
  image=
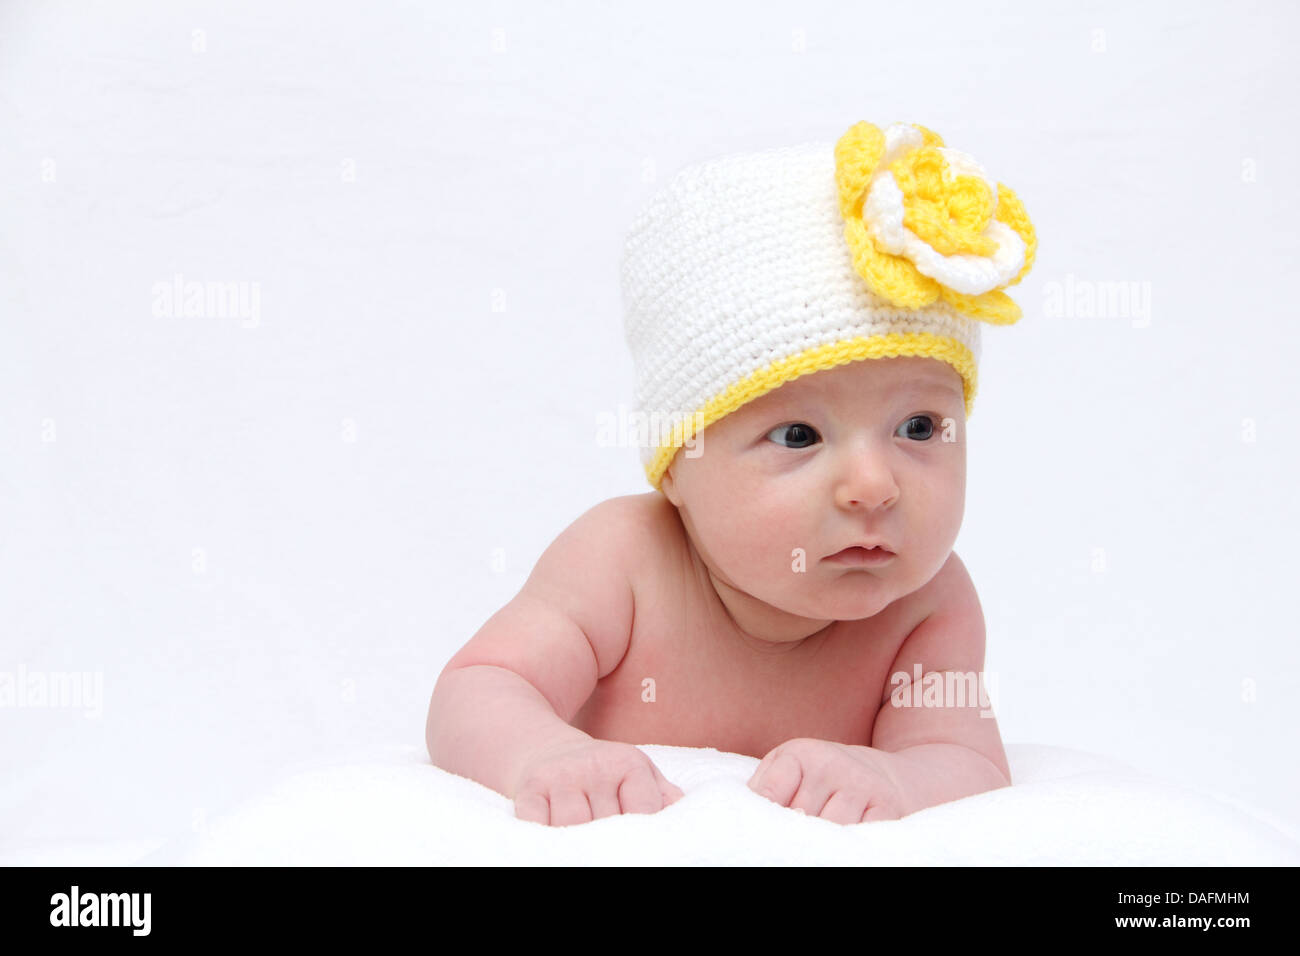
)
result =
(1066, 807)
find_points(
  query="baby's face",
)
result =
(871, 450)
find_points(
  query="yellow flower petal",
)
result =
(996, 307)
(949, 216)
(933, 225)
(1012, 212)
(857, 154)
(890, 277)
(920, 173)
(930, 137)
(969, 202)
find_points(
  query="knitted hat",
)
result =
(750, 270)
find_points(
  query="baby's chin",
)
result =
(854, 599)
(857, 608)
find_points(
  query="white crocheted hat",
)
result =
(750, 270)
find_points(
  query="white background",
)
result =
(269, 538)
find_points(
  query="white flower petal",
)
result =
(900, 138)
(967, 274)
(882, 213)
(961, 164)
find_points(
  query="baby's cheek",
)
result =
(792, 549)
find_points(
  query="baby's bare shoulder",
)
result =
(620, 530)
(644, 519)
(571, 622)
(591, 568)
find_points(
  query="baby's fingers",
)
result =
(569, 806)
(604, 802)
(877, 810)
(780, 780)
(844, 807)
(639, 792)
(670, 792)
(534, 807)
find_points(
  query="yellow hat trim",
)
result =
(819, 358)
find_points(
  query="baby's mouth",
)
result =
(861, 556)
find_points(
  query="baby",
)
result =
(804, 324)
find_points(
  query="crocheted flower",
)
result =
(925, 222)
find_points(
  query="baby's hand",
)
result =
(583, 781)
(829, 780)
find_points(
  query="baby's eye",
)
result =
(923, 431)
(798, 435)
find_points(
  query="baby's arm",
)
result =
(485, 720)
(942, 753)
(500, 709)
